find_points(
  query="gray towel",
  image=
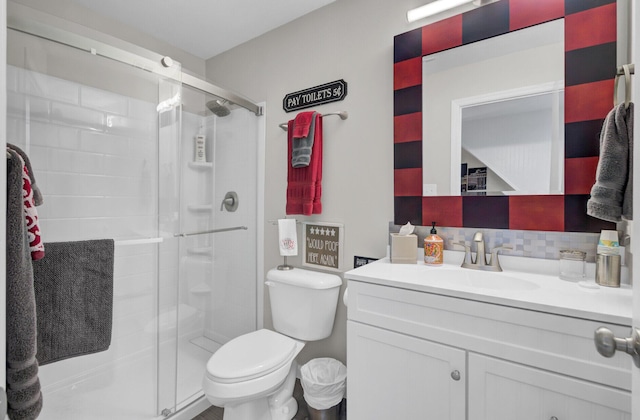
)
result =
(301, 147)
(74, 297)
(23, 386)
(37, 194)
(612, 194)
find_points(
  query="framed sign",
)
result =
(317, 95)
(323, 245)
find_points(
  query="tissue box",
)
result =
(404, 249)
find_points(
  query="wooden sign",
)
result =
(318, 95)
(322, 245)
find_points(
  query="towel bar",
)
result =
(342, 114)
(275, 222)
(138, 241)
(204, 232)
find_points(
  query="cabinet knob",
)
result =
(553, 418)
(455, 375)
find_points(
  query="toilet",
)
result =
(253, 375)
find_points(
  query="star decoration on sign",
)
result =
(323, 231)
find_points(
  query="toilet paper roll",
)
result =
(287, 237)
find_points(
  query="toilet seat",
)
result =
(251, 356)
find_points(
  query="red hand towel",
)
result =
(301, 124)
(304, 185)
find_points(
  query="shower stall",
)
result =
(111, 136)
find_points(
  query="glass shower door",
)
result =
(112, 147)
(217, 290)
(104, 158)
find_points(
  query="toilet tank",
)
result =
(303, 302)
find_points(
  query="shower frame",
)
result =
(150, 61)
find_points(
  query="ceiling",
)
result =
(204, 28)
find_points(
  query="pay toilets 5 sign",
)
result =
(323, 245)
(317, 95)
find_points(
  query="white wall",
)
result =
(350, 40)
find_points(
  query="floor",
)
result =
(216, 413)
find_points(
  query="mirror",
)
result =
(591, 54)
(504, 97)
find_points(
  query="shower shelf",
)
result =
(201, 165)
(200, 207)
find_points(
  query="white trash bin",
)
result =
(324, 383)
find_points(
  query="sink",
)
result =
(477, 280)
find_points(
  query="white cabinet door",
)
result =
(395, 376)
(500, 390)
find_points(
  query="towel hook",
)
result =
(625, 70)
(627, 85)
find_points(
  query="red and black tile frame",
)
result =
(590, 67)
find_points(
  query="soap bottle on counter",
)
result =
(433, 247)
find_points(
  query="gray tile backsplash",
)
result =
(526, 243)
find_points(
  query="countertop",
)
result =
(538, 292)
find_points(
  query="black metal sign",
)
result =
(318, 95)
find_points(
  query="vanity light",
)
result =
(439, 6)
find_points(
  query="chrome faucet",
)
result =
(481, 255)
(480, 262)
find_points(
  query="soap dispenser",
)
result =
(433, 247)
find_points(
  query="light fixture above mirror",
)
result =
(440, 6)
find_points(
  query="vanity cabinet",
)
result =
(403, 377)
(500, 390)
(418, 355)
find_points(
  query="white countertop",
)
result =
(538, 292)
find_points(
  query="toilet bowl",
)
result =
(253, 375)
(248, 374)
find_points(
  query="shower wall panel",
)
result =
(235, 157)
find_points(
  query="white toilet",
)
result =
(252, 376)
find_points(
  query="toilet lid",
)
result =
(250, 356)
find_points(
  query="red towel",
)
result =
(301, 124)
(304, 185)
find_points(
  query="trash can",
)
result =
(324, 383)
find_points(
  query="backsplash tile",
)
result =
(525, 243)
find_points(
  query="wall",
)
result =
(350, 40)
